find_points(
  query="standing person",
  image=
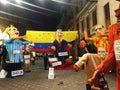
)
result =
(93, 59)
(113, 58)
(45, 57)
(3, 55)
(59, 46)
(3, 51)
(32, 54)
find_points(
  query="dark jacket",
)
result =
(90, 47)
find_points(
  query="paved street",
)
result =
(37, 80)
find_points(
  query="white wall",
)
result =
(113, 4)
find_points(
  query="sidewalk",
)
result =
(37, 80)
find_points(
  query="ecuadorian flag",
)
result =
(43, 39)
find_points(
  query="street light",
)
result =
(4, 1)
(92, 0)
(18, 1)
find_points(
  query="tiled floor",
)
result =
(37, 80)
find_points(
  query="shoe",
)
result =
(28, 71)
(95, 80)
(69, 61)
(76, 68)
(3, 73)
(46, 69)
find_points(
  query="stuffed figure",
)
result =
(59, 46)
(113, 58)
(14, 50)
(92, 60)
(100, 42)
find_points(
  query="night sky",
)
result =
(47, 18)
(33, 14)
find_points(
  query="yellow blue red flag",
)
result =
(49, 36)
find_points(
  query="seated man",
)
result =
(93, 60)
(81, 48)
(85, 47)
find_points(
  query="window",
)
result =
(82, 25)
(88, 25)
(94, 17)
(77, 26)
(107, 14)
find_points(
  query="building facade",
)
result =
(100, 12)
(87, 13)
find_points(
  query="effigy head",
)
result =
(12, 31)
(59, 34)
(99, 30)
